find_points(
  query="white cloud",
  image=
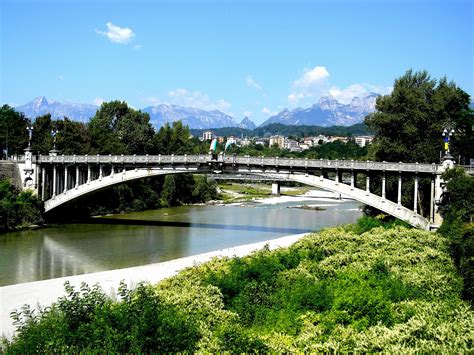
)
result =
(251, 83)
(269, 112)
(311, 77)
(247, 113)
(184, 97)
(314, 83)
(346, 95)
(98, 101)
(117, 34)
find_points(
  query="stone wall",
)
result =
(9, 170)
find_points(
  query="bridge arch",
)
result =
(364, 196)
(104, 183)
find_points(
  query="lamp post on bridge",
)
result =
(448, 159)
(28, 180)
(54, 152)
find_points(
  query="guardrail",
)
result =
(276, 162)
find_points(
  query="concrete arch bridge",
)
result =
(60, 179)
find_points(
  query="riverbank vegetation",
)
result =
(18, 209)
(353, 288)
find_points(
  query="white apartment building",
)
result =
(208, 135)
(362, 141)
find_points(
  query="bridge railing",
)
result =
(275, 162)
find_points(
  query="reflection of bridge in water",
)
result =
(62, 179)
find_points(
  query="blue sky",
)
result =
(242, 57)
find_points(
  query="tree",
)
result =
(42, 141)
(457, 209)
(408, 123)
(119, 129)
(73, 137)
(13, 133)
(173, 139)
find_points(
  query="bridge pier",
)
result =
(276, 188)
(43, 181)
(399, 195)
(383, 186)
(415, 195)
(367, 184)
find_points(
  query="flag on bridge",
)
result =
(228, 144)
(213, 146)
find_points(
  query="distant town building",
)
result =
(208, 135)
(221, 139)
(362, 141)
(337, 138)
(320, 138)
(244, 142)
(232, 140)
(290, 144)
(279, 141)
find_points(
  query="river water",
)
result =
(141, 238)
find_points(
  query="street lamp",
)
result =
(447, 133)
(54, 132)
(30, 134)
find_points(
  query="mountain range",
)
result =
(327, 112)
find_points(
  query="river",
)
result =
(141, 238)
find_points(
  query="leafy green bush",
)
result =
(18, 209)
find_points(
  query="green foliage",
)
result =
(457, 208)
(366, 223)
(87, 320)
(174, 139)
(18, 209)
(408, 123)
(13, 133)
(119, 129)
(73, 137)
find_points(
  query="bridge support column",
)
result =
(54, 181)
(399, 198)
(337, 177)
(276, 189)
(352, 180)
(77, 177)
(88, 174)
(367, 184)
(415, 197)
(112, 171)
(438, 192)
(383, 186)
(100, 172)
(432, 202)
(43, 180)
(65, 179)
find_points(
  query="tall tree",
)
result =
(119, 129)
(13, 133)
(73, 137)
(42, 141)
(408, 123)
(174, 139)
